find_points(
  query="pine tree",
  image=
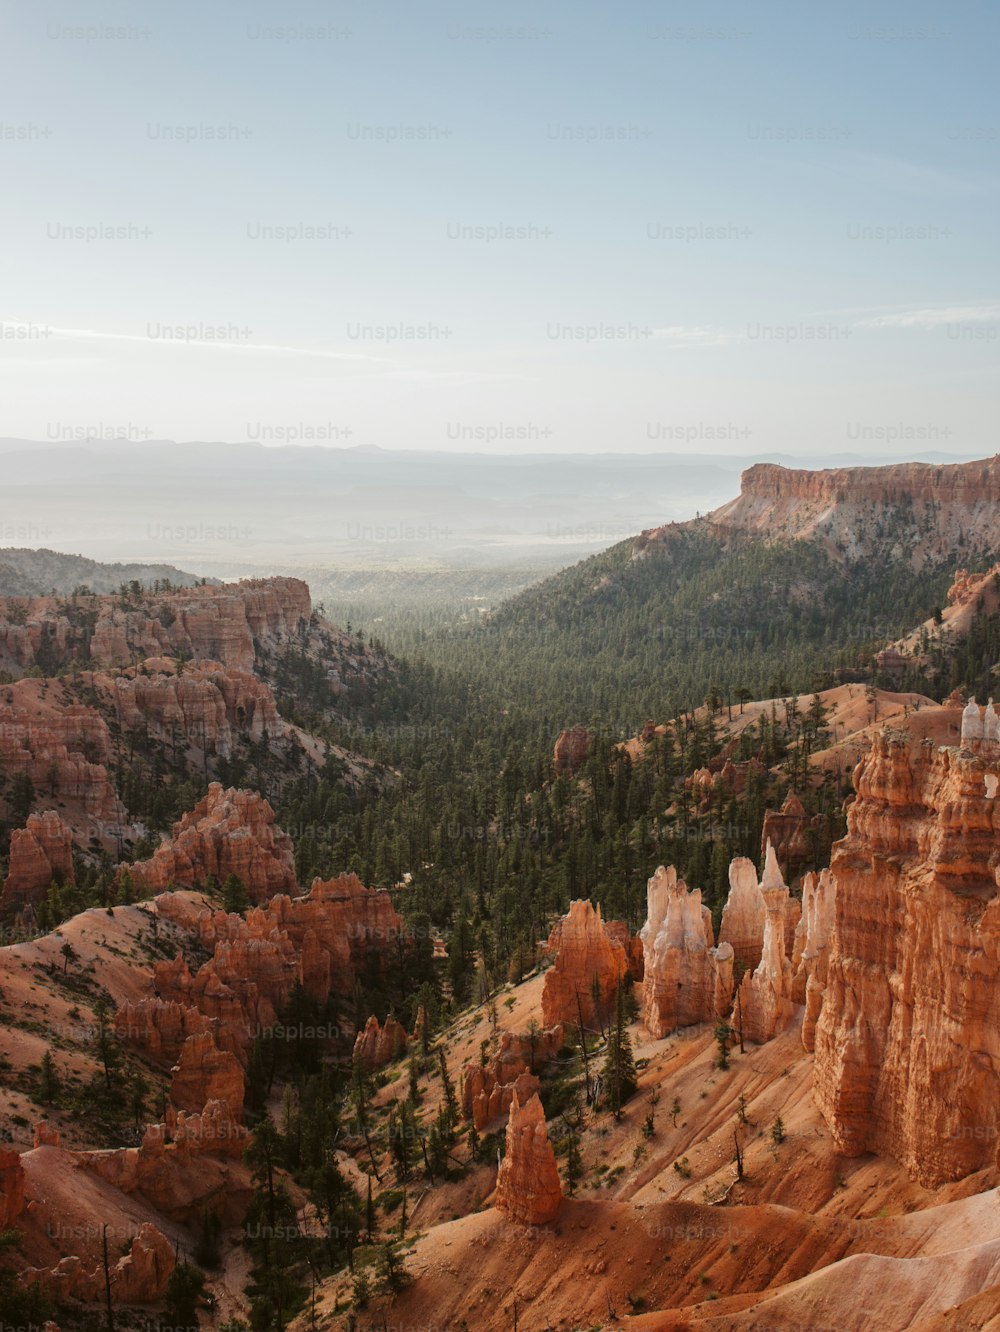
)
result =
(49, 1082)
(619, 1075)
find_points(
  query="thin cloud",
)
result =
(695, 335)
(934, 317)
(279, 349)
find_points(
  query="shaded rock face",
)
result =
(187, 1163)
(587, 958)
(811, 955)
(789, 830)
(571, 750)
(64, 755)
(686, 980)
(377, 1046)
(159, 1027)
(205, 1073)
(323, 940)
(843, 507)
(11, 1187)
(207, 706)
(224, 624)
(528, 1187)
(907, 1060)
(488, 1089)
(140, 1277)
(40, 853)
(228, 832)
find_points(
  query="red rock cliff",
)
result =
(907, 1056)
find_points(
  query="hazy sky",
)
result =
(600, 226)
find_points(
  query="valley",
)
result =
(621, 953)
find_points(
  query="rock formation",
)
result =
(40, 853)
(207, 707)
(63, 752)
(766, 1005)
(686, 979)
(907, 1063)
(140, 1277)
(489, 1089)
(323, 940)
(980, 731)
(810, 959)
(159, 1027)
(11, 1187)
(227, 832)
(44, 1135)
(205, 1073)
(586, 957)
(182, 1166)
(528, 1187)
(789, 832)
(376, 1046)
(743, 915)
(571, 750)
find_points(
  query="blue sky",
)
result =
(773, 222)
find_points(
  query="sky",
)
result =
(563, 226)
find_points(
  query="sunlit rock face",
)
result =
(907, 1051)
(686, 980)
(528, 1186)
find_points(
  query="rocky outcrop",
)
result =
(206, 708)
(56, 749)
(44, 1135)
(743, 915)
(324, 940)
(218, 623)
(528, 1187)
(159, 1027)
(924, 511)
(907, 1062)
(571, 750)
(140, 1277)
(489, 1089)
(589, 966)
(766, 1006)
(789, 831)
(687, 980)
(811, 954)
(227, 832)
(205, 1073)
(11, 1187)
(182, 1166)
(376, 1046)
(41, 853)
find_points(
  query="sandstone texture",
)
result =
(377, 1045)
(41, 853)
(907, 1061)
(766, 1004)
(205, 1073)
(11, 1187)
(140, 1277)
(586, 957)
(228, 832)
(788, 830)
(488, 1090)
(686, 979)
(528, 1188)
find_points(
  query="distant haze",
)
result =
(223, 508)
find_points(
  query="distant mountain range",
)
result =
(232, 508)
